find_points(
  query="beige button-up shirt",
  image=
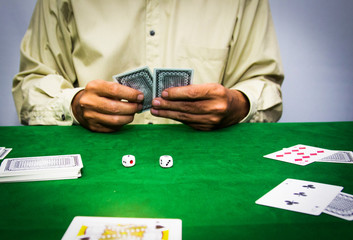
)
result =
(69, 43)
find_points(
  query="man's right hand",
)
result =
(99, 107)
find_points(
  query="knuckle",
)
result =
(193, 93)
(113, 107)
(93, 128)
(115, 88)
(220, 107)
(183, 116)
(116, 120)
(88, 116)
(190, 106)
(119, 120)
(219, 90)
(84, 101)
(92, 85)
(214, 120)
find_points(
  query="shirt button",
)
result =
(63, 117)
(152, 33)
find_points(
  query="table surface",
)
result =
(212, 187)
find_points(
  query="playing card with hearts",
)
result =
(300, 154)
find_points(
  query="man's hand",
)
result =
(203, 107)
(99, 107)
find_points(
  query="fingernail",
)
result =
(139, 108)
(154, 111)
(140, 97)
(164, 94)
(156, 102)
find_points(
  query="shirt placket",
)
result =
(152, 34)
(152, 40)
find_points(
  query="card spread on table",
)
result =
(41, 168)
(152, 86)
(300, 196)
(124, 228)
(341, 206)
(303, 155)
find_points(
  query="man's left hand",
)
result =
(203, 107)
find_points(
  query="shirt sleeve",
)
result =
(44, 87)
(254, 64)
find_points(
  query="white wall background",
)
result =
(14, 20)
(316, 41)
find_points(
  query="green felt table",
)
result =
(212, 187)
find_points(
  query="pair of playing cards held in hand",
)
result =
(310, 198)
(95, 228)
(41, 168)
(152, 86)
(303, 155)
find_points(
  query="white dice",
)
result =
(128, 160)
(166, 161)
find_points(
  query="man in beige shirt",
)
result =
(72, 49)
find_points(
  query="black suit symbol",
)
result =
(309, 186)
(300, 194)
(291, 202)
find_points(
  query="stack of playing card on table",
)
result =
(152, 86)
(310, 197)
(41, 168)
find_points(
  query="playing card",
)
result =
(124, 228)
(41, 168)
(40, 177)
(341, 206)
(139, 79)
(338, 157)
(31, 164)
(300, 154)
(168, 77)
(4, 152)
(300, 196)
